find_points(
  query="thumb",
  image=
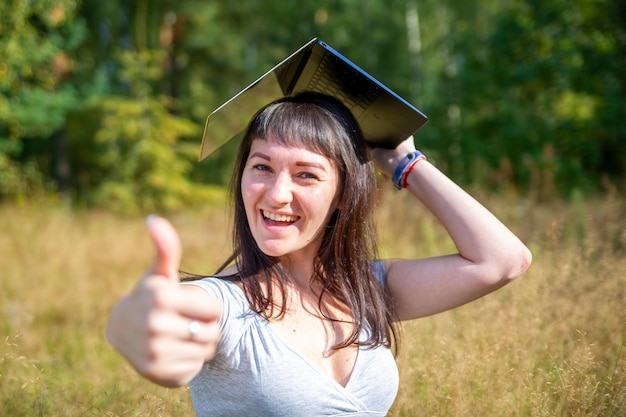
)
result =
(167, 245)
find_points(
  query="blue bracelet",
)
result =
(405, 164)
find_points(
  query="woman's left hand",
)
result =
(388, 159)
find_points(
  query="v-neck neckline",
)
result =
(266, 322)
(309, 361)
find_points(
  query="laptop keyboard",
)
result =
(335, 78)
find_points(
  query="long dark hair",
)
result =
(343, 267)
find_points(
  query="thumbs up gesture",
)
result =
(165, 330)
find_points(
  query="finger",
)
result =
(167, 245)
(194, 303)
(174, 362)
(180, 328)
(200, 331)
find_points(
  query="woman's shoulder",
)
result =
(222, 285)
(379, 269)
(215, 283)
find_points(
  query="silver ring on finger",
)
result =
(194, 329)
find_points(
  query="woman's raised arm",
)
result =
(489, 254)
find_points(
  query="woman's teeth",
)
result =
(279, 217)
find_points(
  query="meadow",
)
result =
(552, 343)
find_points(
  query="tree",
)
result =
(106, 100)
(36, 40)
(536, 93)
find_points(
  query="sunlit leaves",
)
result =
(511, 87)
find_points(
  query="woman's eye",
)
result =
(261, 167)
(307, 176)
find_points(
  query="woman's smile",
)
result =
(277, 219)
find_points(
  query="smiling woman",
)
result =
(300, 319)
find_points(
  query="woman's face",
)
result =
(289, 194)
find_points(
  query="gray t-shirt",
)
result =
(257, 373)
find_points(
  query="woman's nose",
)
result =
(280, 191)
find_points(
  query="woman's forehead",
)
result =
(275, 149)
(280, 146)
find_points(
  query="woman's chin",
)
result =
(273, 251)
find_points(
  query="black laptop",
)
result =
(384, 117)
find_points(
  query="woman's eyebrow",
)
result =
(310, 164)
(306, 164)
(260, 155)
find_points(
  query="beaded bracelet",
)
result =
(405, 167)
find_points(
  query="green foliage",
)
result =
(107, 99)
(139, 156)
(132, 155)
(538, 93)
(36, 38)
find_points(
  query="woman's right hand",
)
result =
(165, 330)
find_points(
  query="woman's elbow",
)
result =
(519, 260)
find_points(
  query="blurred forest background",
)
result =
(102, 108)
(102, 103)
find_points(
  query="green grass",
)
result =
(550, 344)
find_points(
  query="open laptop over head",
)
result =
(384, 117)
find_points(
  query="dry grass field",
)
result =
(552, 343)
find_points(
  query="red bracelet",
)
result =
(408, 171)
(402, 170)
